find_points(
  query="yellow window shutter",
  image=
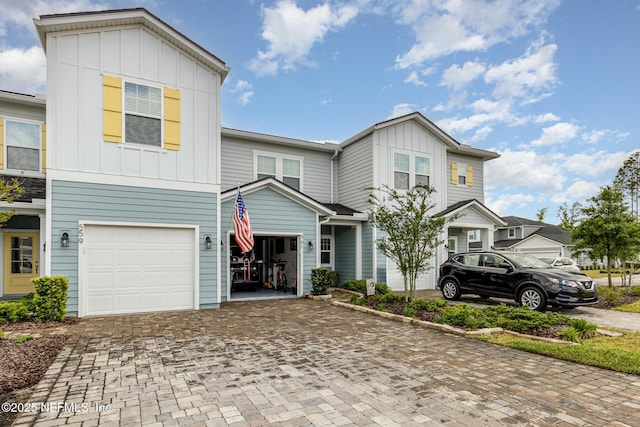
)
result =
(454, 173)
(112, 99)
(469, 176)
(1, 143)
(171, 119)
(44, 147)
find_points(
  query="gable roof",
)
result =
(278, 187)
(548, 231)
(120, 17)
(449, 141)
(471, 203)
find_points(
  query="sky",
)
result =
(553, 86)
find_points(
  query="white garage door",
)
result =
(138, 269)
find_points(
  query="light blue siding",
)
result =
(272, 213)
(367, 250)
(345, 258)
(74, 201)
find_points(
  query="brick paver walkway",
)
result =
(302, 362)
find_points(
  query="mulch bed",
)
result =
(22, 365)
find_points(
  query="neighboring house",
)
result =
(141, 178)
(536, 238)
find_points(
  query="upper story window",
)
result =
(285, 168)
(143, 114)
(140, 114)
(410, 170)
(461, 174)
(473, 235)
(511, 233)
(23, 142)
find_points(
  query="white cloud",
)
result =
(594, 136)
(443, 27)
(532, 72)
(544, 118)
(243, 91)
(401, 110)
(579, 190)
(556, 134)
(291, 32)
(23, 70)
(414, 79)
(456, 77)
(505, 202)
(526, 169)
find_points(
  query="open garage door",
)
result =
(129, 269)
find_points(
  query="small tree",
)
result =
(569, 215)
(542, 213)
(10, 190)
(608, 230)
(412, 233)
(628, 179)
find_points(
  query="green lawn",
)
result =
(596, 274)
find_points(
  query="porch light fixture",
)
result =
(207, 241)
(310, 245)
(64, 240)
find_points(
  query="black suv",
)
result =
(524, 278)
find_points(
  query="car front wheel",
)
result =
(450, 289)
(533, 298)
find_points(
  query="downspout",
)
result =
(335, 154)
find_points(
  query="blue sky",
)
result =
(552, 85)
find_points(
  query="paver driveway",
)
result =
(304, 362)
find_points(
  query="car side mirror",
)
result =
(506, 266)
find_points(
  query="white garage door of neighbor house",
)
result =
(138, 269)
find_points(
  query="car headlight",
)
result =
(564, 282)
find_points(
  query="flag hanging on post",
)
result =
(242, 226)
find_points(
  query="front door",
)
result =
(20, 262)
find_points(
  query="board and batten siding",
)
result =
(410, 137)
(76, 66)
(273, 214)
(355, 174)
(237, 165)
(73, 202)
(460, 192)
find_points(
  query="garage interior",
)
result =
(255, 275)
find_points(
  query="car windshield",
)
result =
(527, 261)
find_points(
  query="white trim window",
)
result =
(326, 251)
(142, 114)
(410, 170)
(23, 145)
(452, 245)
(285, 168)
(462, 174)
(473, 235)
(511, 233)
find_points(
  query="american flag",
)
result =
(242, 226)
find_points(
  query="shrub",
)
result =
(27, 300)
(569, 334)
(12, 311)
(361, 286)
(1, 334)
(464, 316)
(409, 312)
(356, 300)
(434, 305)
(320, 281)
(390, 297)
(634, 290)
(22, 339)
(333, 278)
(50, 299)
(381, 307)
(584, 329)
(522, 319)
(610, 295)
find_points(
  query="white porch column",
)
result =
(487, 236)
(359, 251)
(42, 256)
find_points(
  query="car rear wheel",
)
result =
(533, 298)
(450, 289)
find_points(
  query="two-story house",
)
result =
(136, 202)
(536, 238)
